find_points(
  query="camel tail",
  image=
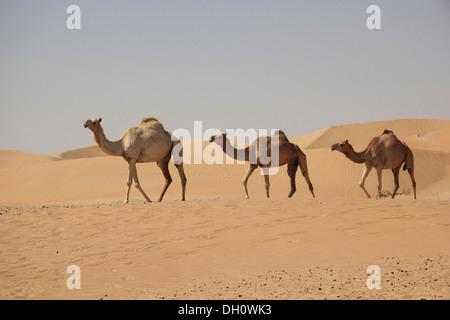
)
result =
(409, 160)
(177, 157)
(177, 152)
(409, 164)
(304, 169)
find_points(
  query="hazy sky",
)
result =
(294, 65)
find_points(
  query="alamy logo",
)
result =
(74, 20)
(374, 277)
(374, 20)
(262, 148)
(74, 281)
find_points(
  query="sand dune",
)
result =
(66, 209)
(88, 152)
(104, 179)
(360, 134)
(12, 158)
(88, 175)
(438, 140)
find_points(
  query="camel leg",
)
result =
(411, 174)
(178, 161)
(409, 164)
(304, 169)
(247, 175)
(379, 175)
(164, 165)
(266, 179)
(395, 171)
(136, 179)
(183, 179)
(363, 179)
(129, 182)
(292, 170)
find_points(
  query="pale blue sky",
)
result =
(293, 65)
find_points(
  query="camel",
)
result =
(147, 142)
(383, 152)
(289, 153)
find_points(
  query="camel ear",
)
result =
(346, 141)
(99, 120)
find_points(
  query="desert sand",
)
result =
(66, 209)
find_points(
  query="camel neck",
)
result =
(113, 148)
(358, 157)
(237, 154)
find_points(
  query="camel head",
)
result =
(219, 139)
(341, 147)
(92, 123)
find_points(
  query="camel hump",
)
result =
(280, 133)
(149, 119)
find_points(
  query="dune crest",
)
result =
(16, 158)
(361, 133)
(88, 152)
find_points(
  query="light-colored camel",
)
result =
(147, 142)
(383, 152)
(289, 153)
